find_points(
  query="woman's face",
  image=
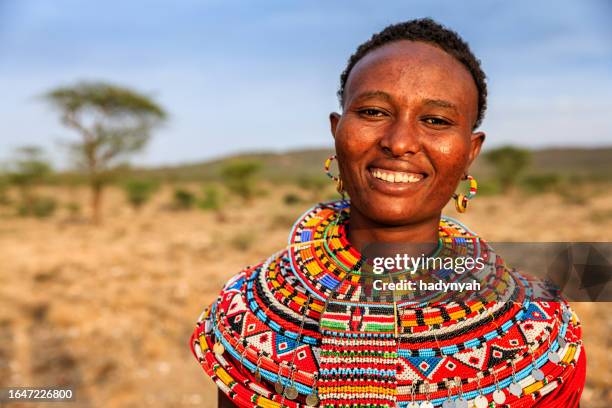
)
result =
(405, 137)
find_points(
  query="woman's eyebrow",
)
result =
(440, 103)
(374, 94)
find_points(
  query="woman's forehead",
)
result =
(403, 68)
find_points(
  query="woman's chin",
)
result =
(393, 212)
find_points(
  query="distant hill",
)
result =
(287, 166)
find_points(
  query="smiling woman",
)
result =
(306, 328)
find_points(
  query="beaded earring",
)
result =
(461, 200)
(337, 179)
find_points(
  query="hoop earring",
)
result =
(461, 200)
(337, 179)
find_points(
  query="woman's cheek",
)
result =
(449, 155)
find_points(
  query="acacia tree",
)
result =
(112, 121)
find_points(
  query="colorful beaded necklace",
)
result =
(300, 330)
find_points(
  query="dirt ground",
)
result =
(109, 309)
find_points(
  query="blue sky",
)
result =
(259, 75)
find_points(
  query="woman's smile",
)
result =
(396, 178)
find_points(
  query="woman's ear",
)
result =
(334, 118)
(477, 139)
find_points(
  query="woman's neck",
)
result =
(419, 237)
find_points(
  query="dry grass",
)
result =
(110, 309)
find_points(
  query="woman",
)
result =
(306, 327)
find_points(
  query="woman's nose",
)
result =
(401, 139)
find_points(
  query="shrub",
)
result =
(239, 177)
(541, 183)
(291, 199)
(139, 192)
(210, 199)
(316, 185)
(183, 199)
(74, 209)
(571, 197)
(40, 207)
(488, 188)
(242, 241)
(4, 195)
(509, 162)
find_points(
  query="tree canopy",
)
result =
(112, 121)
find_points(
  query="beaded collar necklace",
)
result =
(499, 348)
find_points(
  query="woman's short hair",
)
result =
(428, 31)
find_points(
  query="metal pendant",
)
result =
(257, 375)
(567, 315)
(553, 357)
(515, 389)
(537, 374)
(499, 397)
(461, 403)
(312, 400)
(279, 387)
(291, 392)
(448, 403)
(561, 341)
(218, 348)
(413, 404)
(481, 401)
(426, 404)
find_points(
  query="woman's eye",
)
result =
(370, 112)
(436, 121)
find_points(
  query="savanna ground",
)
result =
(109, 309)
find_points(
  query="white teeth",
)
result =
(396, 177)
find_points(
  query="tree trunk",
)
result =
(96, 201)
